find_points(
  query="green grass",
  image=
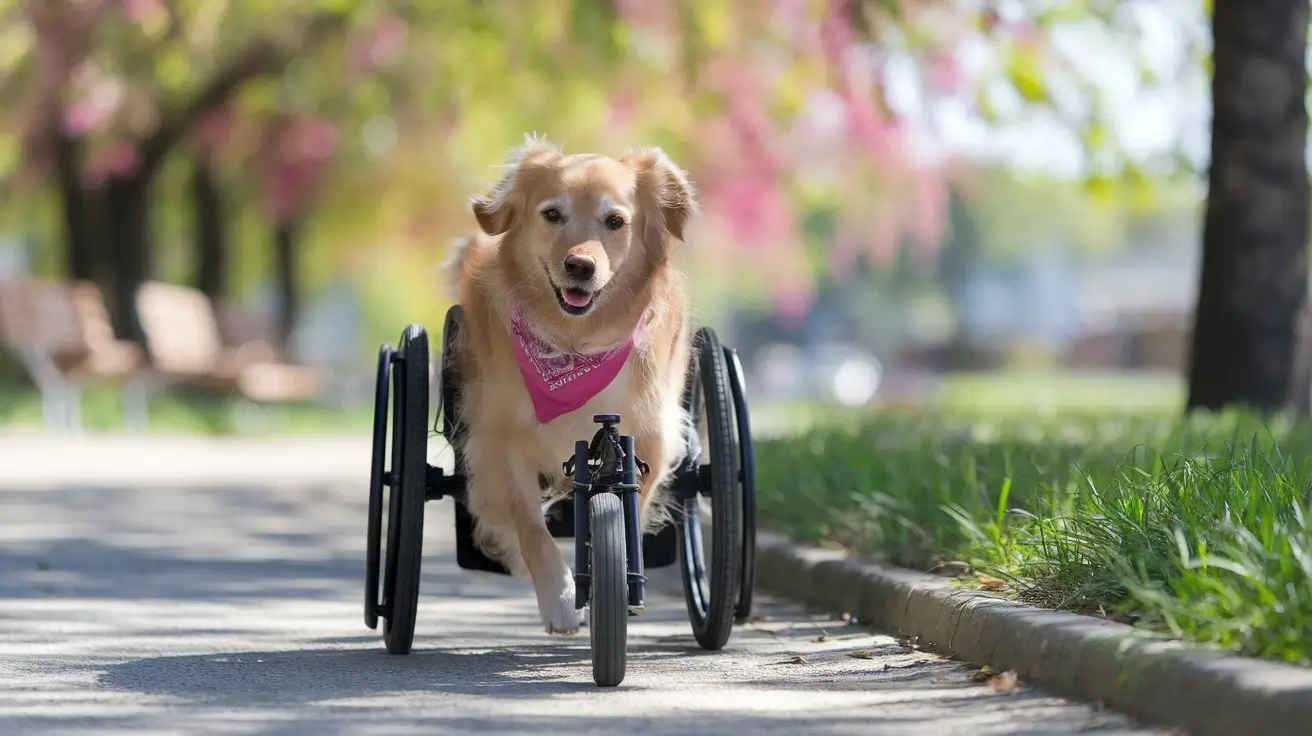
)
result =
(1022, 394)
(1196, 527)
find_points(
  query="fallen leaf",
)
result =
(1005, 683)
(797, 659)
(983, 674)
(988, 582)
(861, 654)
(822, 638)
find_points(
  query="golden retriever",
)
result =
(569, 290)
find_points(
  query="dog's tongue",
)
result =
(577, 297)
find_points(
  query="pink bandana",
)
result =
(561, 382)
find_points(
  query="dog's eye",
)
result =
(551, 214)
(614, 222)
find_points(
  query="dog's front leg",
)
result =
(553, 582)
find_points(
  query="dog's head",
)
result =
(575, 228)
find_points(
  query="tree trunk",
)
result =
(1255, 235)
(127, 231)
(78, 231)
(285, 235)
(211, 232)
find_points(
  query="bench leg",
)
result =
(73, 409)
(53, 414)
(52, 386)
(136, 404)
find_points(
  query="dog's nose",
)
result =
(580, 267)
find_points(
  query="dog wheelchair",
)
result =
(601, 515)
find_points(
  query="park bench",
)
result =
(62, 336)
(185, 344)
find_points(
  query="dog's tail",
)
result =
(454, 265)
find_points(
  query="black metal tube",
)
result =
(582, 492)
(632, 525)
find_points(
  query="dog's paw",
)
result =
(557, 608)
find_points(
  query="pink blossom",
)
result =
(388, 41)
(214, 128)
(868, 129)
(944, 72)
(82, 117)
(383, 44)
(139, 10)
(641, 13)
(836, 32)
(755, 209)
(623, 110)
(359, 58)
(793, 300)
(117, 160)
(298, 154)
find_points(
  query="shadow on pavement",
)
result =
(331, 692)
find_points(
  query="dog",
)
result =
(572, 308)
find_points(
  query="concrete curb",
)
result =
(1155, 680)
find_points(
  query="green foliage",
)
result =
(1196, 527)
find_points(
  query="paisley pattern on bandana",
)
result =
(560, 382)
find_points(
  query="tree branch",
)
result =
(262, 57)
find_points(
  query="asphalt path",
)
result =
(201, 587)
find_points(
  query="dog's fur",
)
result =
(513, 461)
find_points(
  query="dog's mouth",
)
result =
(574, 300)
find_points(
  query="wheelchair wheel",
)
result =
(747, 479)
(608, 623)
(405, 518)
(711, 590)
(374, 535)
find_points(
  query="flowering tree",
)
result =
(781, 108)
(112, 88)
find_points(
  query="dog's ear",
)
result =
(665, 194)
(496, 210)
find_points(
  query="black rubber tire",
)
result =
(712, 598)
(405, 523)
(747, 480)
(608, 614)
(374, 531)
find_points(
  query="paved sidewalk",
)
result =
(166, 585)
